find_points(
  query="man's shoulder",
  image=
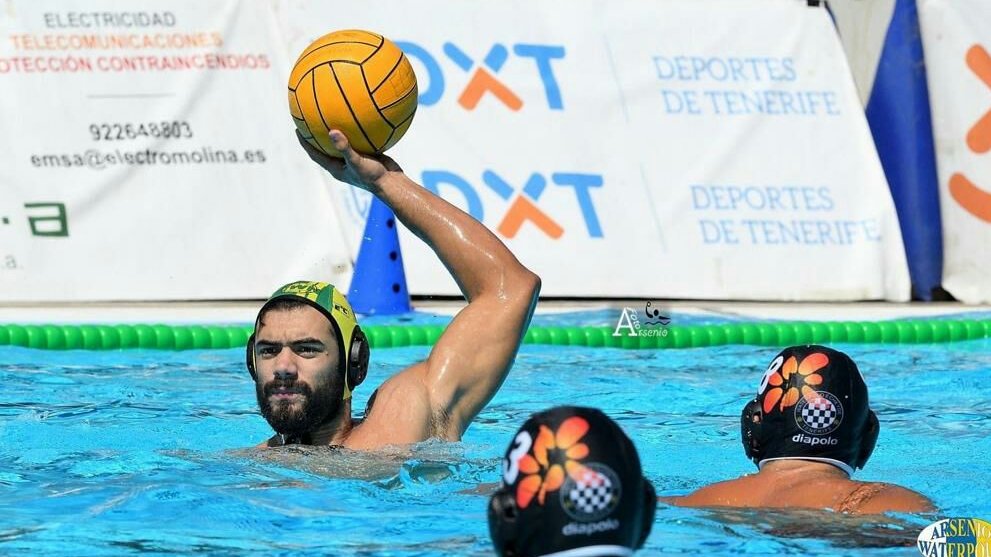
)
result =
(400, 391)
(725, 493)
(397, 413)
(877, 498)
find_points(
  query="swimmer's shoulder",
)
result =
(397, 413)
(878, 498)
(729, 493)
(272, 441)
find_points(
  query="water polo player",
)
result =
(807, 430)
(307, 353)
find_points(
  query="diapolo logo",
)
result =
(483, 78)
(956, 537)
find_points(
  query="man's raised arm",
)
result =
(472, 357)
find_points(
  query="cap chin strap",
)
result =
(837, 463)
(593, 551)
(294, 439)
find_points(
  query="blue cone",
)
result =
(379, 282)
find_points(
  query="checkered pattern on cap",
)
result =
(819, 414)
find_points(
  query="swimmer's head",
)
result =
(811, 405)
(571, 485)
(329, 301)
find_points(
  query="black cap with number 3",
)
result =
(572, 484)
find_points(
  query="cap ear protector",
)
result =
(750, 429)
(357, 358)
(650, 509)
(869, 439)
(249, 357)
(503, 525)
(325, 298)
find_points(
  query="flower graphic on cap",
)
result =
(544, 468)
(807, 372)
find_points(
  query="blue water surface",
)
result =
(128, 452)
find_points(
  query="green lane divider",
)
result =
(189, 337)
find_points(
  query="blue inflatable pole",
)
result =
(379, 282)
(898, 114)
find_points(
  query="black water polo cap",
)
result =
(811, 404)
(572, 485)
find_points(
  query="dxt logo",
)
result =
(482, 75)
(522, 203)
(972, 198)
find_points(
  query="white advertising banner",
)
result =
(146, 153)
(957, 41)
(681, 148)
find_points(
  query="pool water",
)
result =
(116, 453)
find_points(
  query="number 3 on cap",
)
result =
(511, 465)
(771, 369)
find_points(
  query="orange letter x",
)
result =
(971, 197)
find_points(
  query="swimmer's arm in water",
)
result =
(474, 354)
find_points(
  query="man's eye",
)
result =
(268, 351)
(306, 350)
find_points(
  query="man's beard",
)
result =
(302, 415)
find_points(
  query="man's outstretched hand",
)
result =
(362, 171)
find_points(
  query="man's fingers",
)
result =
(310, 149)
(324, 160)
(340, 142)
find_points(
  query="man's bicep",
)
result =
(472, 357)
